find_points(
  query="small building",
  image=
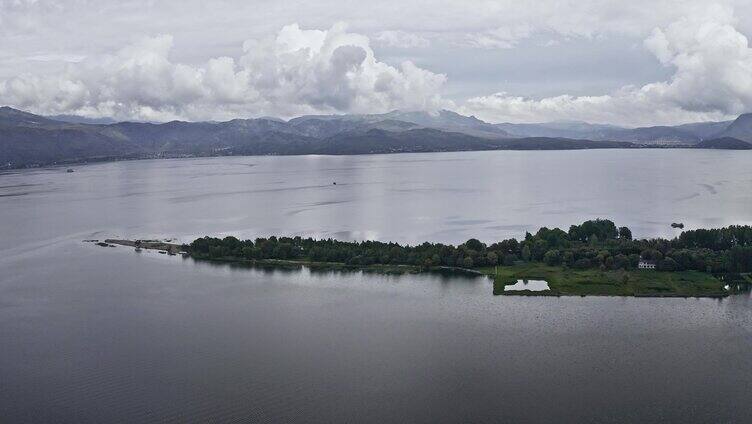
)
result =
(646, 264)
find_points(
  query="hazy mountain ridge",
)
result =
(741, 128)
(75, 119)
(31, 140)
(680, 134)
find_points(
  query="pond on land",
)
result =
(530, 285)
(93, 334)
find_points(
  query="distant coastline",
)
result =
(97, 160)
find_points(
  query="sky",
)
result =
(631, 63)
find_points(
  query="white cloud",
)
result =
(712, 79)
(505, 37)
(52, 57)
(297, 71)
(629, 106)
(49, 64)
(402, 39)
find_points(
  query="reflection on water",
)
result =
(531, 285)
(323, 271)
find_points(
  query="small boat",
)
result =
(677, 225)
(334, 183)
(69, 170)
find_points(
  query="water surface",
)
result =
(93, 334)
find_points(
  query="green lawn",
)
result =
(616, 283)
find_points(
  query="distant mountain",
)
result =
(414, 140)
(25, 146)
(568, 129)
(433, 140)
(327, 125)
(704, 130)
(75, 119)
(15, 117)
(450, 121)
(728, 143)
(31, 140)
(741, 128)
(584, 130)
(654, 135)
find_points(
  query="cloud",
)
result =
(629, 106)
(48, 64)
(294, 72)
(712, 79)
(499, 38)
(402, 39)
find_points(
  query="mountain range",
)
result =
(27, 139)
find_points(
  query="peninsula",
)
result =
(593, 258)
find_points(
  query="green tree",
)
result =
(583, 263)
(475, 244)
(552, 257)
(667, 264)
(526, 253)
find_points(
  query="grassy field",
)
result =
(563, 281)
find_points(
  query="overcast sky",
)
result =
(638, 62)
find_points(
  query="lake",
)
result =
(92, 334)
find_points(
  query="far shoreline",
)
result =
(98, 161)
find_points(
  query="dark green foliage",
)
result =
(603, 229)
(596, 244)
(552, 257)
(475, 244)
(718, 238)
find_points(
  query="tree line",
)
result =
(593, 244)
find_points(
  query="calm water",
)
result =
(90, 334)
(532, 285)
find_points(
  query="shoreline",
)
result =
(93, 161)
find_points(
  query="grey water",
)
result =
(92, 334)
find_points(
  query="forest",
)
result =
(594, 244)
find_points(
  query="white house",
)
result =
(646, 264)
